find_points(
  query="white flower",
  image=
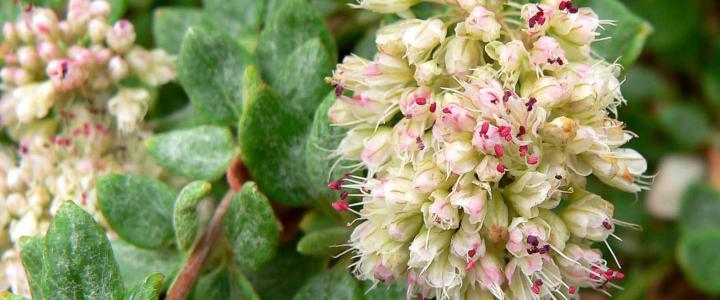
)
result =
(34, 101)
(386, 6)
(129, 107)
(422, 38)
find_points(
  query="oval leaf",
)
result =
(79, 262)
(149, 289)
(224, 283)
(138, 209)
(185, 215)
(273, 131)
(698, 257)
(31, 254)
(700, 208)
(135, 263)
(322, 242)
(290, 25)
(203, 152)
(333, 284)
(210, 67)
(171, 23)
(251, 227)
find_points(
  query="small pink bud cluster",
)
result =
(72, 118)
(51, 60)
(473, 131)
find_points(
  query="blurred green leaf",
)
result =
(277, 161)
(329, 285)
(117, 9)
(31, 254)
(149, 289)
(322, 167)
(642, 84)
(185, 215)
(251, 228)
(628, 35)
(323, 242)
(316, 220)
(224, 283)
(9, 12)
(289, 26)
(700, 208)
(136, 263)
(711, 86)
(5, 295)
(171, 23)
(396, 291)
(138, 209)
(686, 123)
(79, 262)
(699, 259)
(210, 67)
(285, 274)
(236, 17)
(203, 152)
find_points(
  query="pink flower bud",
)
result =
(45, 24)
(480, 25)
(10, 35)
(48, 51)
(121, 36)
(100, 8)
(29, 59)
(66, 74)
(97, 29)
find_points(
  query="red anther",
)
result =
(341, 205)
(501, 168)
(339, 89)
(420, 143)
(433, 107)
(470, 265)
(357, 97)
(504, 131)
(563, 5)
(521, 131)
(544, 249)
(523, 150)
(344, 195)
(472, 253)
(535, 289)
(335, 185)
(507, 96)
(558, 177)
(531, 102)
(607, 225)
(498, 150)
(446, 110)
(532, 159)
(533, 240)
(539, 282)
(420, 100)
(618, 275)
(484, 128)
(572, 290)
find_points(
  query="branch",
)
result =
(190, 272)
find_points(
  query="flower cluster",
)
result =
(474, 126)
(74, 93)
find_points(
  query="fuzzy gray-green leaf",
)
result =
(290, 25)
(149, 289)
(324, 241)
(138, 209)
(202, 152)
(79, 261)
(332, 284)
(277, 161)
(32, 250)
(171, 23)
(185, 215)
(251, 228)
(210, 69)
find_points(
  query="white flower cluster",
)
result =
(474, 126)
(72, 117)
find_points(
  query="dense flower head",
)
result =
(74, 94)
(477, 130)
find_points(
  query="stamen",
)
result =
(501, 168)
(341, 205)
(433, 107)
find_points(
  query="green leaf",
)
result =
(117, 9)
(79, 262)
(31, 253)
(149, 289)
(700, 208)
(276, 161)
(5, 295)
(686, 123)
(203, 152)
(135, 263)
(224, 283)
(321, 166)
(9, 12)
(396, 291)
(138, 209)
(185, 214)
(210, 66)
(316, 220)
(235, 17)
(699, 259)
(251, 227)
(290, 25)
(627, 36)
(171, 23)
(322, 242)
(285, 274)
(252, 83)
(333, 284)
